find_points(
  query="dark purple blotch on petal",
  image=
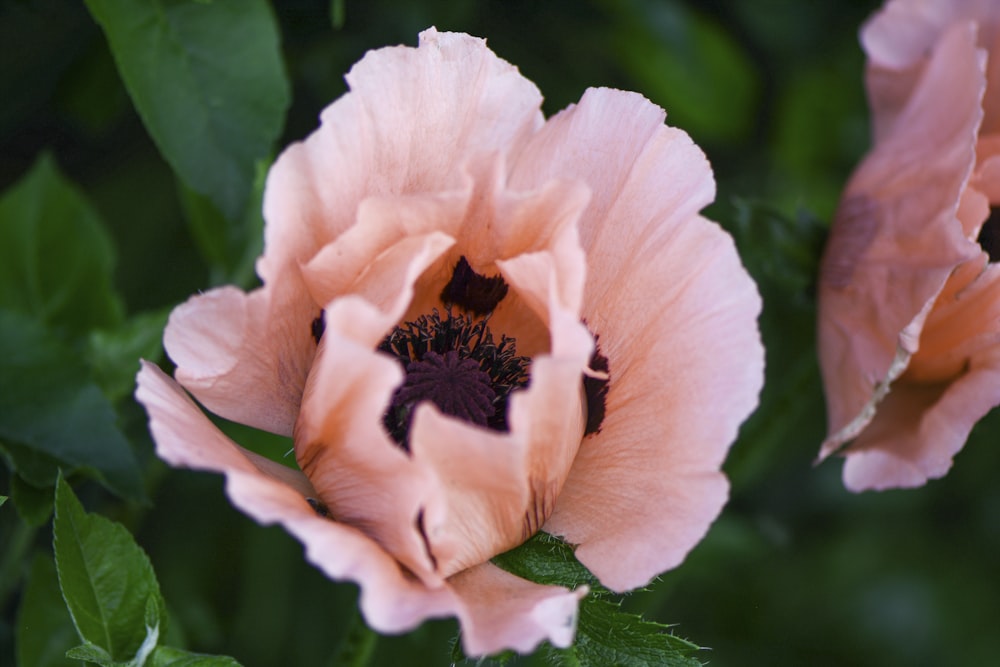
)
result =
(596, 391)
(318, 326)
(989, 234)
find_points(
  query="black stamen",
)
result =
(456, 364)
(989, 234)
(596, 391)
(472, 291)
(318, 326)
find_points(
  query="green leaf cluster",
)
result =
(111, 592)
(58, 309)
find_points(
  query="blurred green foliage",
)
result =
(796, 571)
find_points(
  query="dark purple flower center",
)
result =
(989, 234)
(455, 363)
(457, 386)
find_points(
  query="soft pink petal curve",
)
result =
(499, 610)
(878, 278)
(672, 307)
(686, 366)
(390, 600)
(952, 382)
(413, 118)
(245, 356)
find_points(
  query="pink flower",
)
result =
(593, 344)
(909, 316)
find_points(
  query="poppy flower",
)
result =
(475, 324)
(909, 297)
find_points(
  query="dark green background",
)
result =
(796, 571)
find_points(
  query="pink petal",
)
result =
(499, 611)
(898, 39)
(878, 278)
(675, 314)
(361, 474)
(347, 264)
(686, 365)
(615, 142)
(413, 118)
(952, 382)
(920, 427)
(270, 493)
(246, 356)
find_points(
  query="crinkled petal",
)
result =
(952, 382)
(674, 313)
(344, 265)
(340, 443)
(391, 600)
(878, 278)
(920, 427)
(499, 610)
(246, 356)
(898, 39)
(686, 367)
(413, 118)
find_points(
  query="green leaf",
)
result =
(229, 246)
(33, 503)
(605, 635)
(545, 559)
(44, 628)
(106, 579)
(56, 258)
(166, 656)
(113, 354)
(688, 63)
(3, 499)
(782, 253)
(92, 653)
(208, 81)
(52, 416)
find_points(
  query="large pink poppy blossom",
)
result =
(475, 324)
(909, 316)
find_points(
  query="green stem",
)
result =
(358, 645)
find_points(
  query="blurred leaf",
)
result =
(208, 82)
(34, 504)
(44, 628)
(687, 63)
(229, 246)
(3, 499)
(166, 656)
(55, 256)
(106, 579)
(605, 635)
(782, 254)
(113, 355)
(818, 136)
(338, 13)
(51, 415)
